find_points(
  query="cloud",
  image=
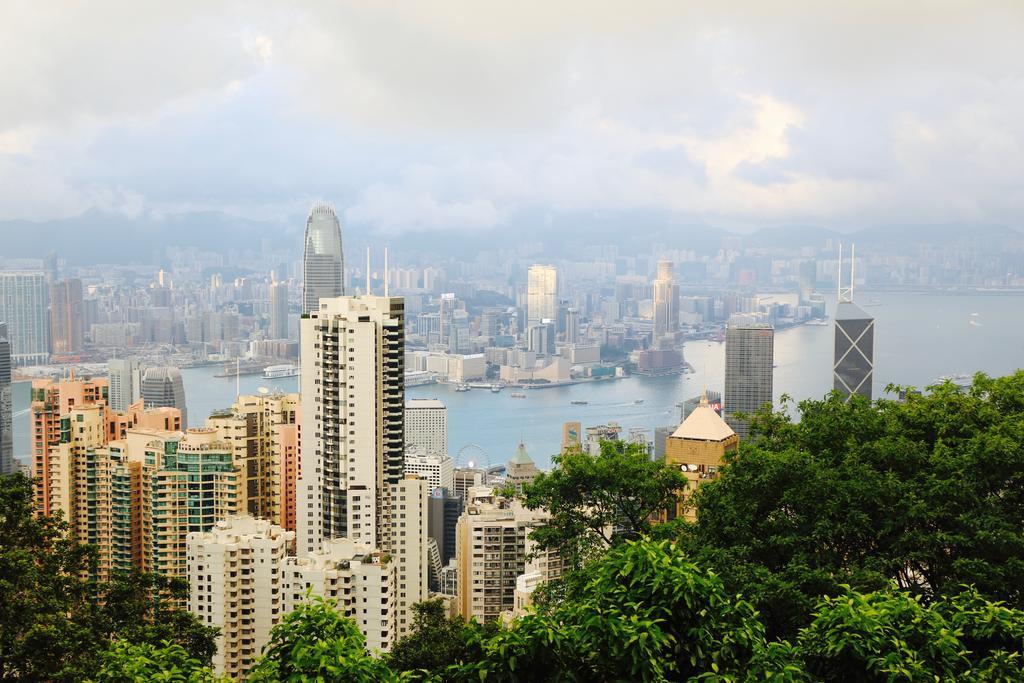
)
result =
(459, 116)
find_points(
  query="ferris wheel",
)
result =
(472, 456)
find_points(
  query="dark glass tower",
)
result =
(6, 404)
(854, 368)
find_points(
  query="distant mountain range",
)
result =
(99, 237)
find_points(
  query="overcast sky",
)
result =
(458, 116)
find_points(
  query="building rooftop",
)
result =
(847, 310)
(521, 457)
(704, 424)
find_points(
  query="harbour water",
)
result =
(918, 337)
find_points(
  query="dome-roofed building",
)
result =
(698, 447)
(521, 469)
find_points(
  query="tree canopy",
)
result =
(928, 492)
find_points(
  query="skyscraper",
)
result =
(67, 322)
(323, 263)
(541, 294)
(666, 302)
(165, 388)
(278, 310)
(125, 383)
(854, 367)
(749, 356)
(23, 303)
(6, 404)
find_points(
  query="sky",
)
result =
(462, 116)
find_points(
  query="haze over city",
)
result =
(466, 341)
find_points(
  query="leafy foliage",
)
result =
(596, 502)
(928, 492)
(435, 643)
(54, 624)
(314, 642)
(124, 662)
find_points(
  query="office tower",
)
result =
(263, 432)
(446, 319)
(323, 262)
(749, 356)
(521, 469)
(426, 426)
(698, 448)
(23, 306)
(6, 404)
(278, 311)
(714, 399)
(572, 326)
(50, 267)
(467, 478)
(164, 388)
(666, 302)
(571, 436)
(444, 508)
(490, 553)
(236, 584)
(352, 388)
(67, 324)
(854, 367)
(458, 339)
(125, 379)
(51, 401)
(541, 294)
(436, 468)
(540, 338)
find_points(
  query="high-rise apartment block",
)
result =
(165, 388)
(67, 322)
(125, 379)
(263, 432)
(237, 583)
(278, 311)
(323, 261)
(541, 294)
(23, 306)
(6, 404)
(426, 426)
(749, 358)
(491, 553)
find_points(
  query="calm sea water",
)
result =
(918, 337)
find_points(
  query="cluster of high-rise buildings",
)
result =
(345, 489)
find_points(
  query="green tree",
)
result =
(597, 501)
(54, 623)
(435, 642)
(928, 493)
(125, 662)
(314, 642)
(643, 613)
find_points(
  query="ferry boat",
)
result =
(495, 388)
(517, 394)
(638, 401)
(276, 371)
(462, 387)
(578, 403)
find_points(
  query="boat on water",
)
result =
(276, 371)
(462, 387)
(817, 322)
(495, 388)
(578, 403)
(517, 394)
(638, 401)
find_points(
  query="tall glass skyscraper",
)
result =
(541, 294)
(854, 367)
(165, 388)
(749, 357)
(6, 404)
(323, 262)
(23, 306)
